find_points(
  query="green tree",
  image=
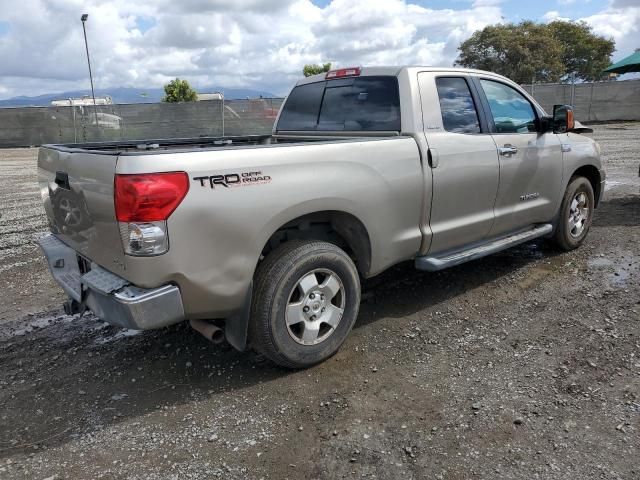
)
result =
(542, 52)
(518, 51)
(314, 69)
(584, 52)
(179, 91)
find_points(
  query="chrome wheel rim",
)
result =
(315, 307)
(578, 214)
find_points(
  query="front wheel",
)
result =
(306, 300)
(576, 214)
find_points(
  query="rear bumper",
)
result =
(110, 297)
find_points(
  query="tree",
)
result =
(542, 52)
(179, 91)
(314, 69)
(584, 52)
(517, 51)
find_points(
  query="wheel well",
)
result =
(339, 228)
(592, 174)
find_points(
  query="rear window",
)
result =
(459, 113)
(350, 104)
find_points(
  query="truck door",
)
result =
(530, 161)
(463, 160)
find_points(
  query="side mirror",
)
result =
(544, 124)
(563, 120)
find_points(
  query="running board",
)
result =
(432, 264)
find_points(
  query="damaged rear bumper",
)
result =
(108, 296)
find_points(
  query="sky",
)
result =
(260, 44)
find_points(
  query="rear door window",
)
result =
(349, 104)
(459, 113)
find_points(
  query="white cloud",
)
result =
(257, 43)
(240, 43)
(621, 21)
(551, 16)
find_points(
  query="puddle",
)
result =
(36, 324)
(618, 272)
(125, 332)
(609, 184)
(600, 262)
(530, 250)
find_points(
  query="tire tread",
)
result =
(267, 278)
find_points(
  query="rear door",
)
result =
(530, 161)
(463, 160)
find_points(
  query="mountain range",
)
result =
(126, 95)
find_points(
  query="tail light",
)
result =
(343, 72)
(143, 203)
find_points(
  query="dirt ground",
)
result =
(523, 365)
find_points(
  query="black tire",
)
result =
(277, 281)
(563, 237)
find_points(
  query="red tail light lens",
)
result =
(343, 72)
(149, 197)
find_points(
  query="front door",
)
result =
(463, 160)
(530, 161)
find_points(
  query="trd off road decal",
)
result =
(231, 180)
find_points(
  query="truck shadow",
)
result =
(619, 212)
(70, 377)
(403, 291)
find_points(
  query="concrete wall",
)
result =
(38, 125)
(602, 101)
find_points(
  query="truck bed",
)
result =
(137, 147)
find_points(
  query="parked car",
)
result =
(265, 239)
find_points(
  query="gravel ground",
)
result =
(524, 365)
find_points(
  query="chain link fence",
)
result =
(32, 126)
(592, 102)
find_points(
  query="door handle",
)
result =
(507, 150)
(434, 158)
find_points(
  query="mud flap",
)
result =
(236, 326)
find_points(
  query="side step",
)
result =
(432, 264)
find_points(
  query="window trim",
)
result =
(484, 126)
(487, 108)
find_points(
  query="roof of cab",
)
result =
(390, 70)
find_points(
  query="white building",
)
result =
(85, 100)
(210, 96)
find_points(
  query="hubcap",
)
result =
(578, 214)
(315, 307)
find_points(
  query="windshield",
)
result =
(348, 104)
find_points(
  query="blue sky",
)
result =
(4, 28)
(514, 10)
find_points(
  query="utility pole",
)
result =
(573, 88)
(84, 18)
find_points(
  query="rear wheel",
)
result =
(576, 214)
(306, 300)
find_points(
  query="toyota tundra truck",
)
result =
(264, 239)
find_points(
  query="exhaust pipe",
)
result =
(208, 330)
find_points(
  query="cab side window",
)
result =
(459, 113)
(511, 111)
